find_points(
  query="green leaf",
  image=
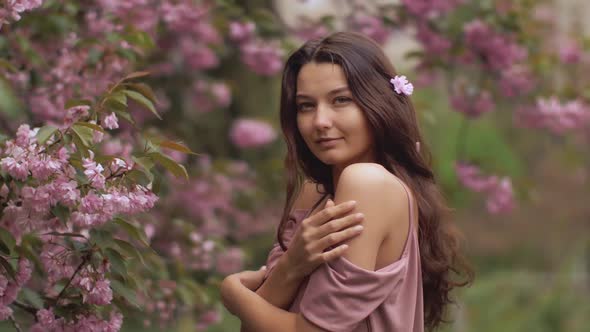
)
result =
(7, 239)
(171, 165)
(32, 297)
(185, 294)
(7, 267)
(125, 115)
(61, 212)
(137, 74)
(77, 102)
(130, 250)
(133, 231)
(65, 234)
(45, 133)
(84, 134)
(145, 162)
(117, 261)
(140, 38)
(144, 89)
(91, 126)
(4, 249)
(141, 177)
(7, 65)
(176, 146)
(122, 290)
(141, 99)
(102, 238)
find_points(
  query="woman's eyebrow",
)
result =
(333, 92)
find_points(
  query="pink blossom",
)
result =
(100, 293)
(262, 57)
(76, 113)
(249, 133)
(430, 8)
(5, 311)
(93, 172)
(472, 105)
(111, 121)
(557, 117)
(312, 31)
(208, 96)
(4, 191)
(14, 8)
(500, 197)
(498, 51)
(515, 81)
(197, 55)
(434, 43)
(370, 26)
(230, 261)
(207, 319)
(15, 167)
(401, 85)
(570, 51)
(241, 31)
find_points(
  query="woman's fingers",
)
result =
(339, 224)
(334, 253)
(331, 212)
(338, 237)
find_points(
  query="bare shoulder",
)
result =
(308, 196)
(382, 199)
(374, 183)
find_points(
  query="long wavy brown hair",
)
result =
(392, 119)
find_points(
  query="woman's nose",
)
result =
(322, 117)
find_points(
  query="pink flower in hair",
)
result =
(401, 85)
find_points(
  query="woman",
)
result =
(350, 127)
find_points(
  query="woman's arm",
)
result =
(256, 313)
(380, 198)
(280, 288)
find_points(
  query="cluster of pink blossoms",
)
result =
(555, 116)
(12, 9)
(47, 179)
(430, 8)
(9, 288)
(371, 26)
(248, 133)
(499, 51)
(261, 56)
(46, 322)
(209, 96)
(500, 196)
(471, 102)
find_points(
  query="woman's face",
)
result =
(330, 121)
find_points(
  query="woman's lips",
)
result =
(328, 143)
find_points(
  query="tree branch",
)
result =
(14, 323)
(27, 308)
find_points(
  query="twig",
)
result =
(27, 308)
(84, 261)
(14, 323)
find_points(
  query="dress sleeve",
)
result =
(340, 295)
(276, 252)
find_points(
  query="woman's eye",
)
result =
(304, 106)
(341, 100)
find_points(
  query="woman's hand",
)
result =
(323, 230)
(248, 279)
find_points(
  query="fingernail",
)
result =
(358, 227)
(352, 203)
(263, 267)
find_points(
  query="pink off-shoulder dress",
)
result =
(341, 297)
